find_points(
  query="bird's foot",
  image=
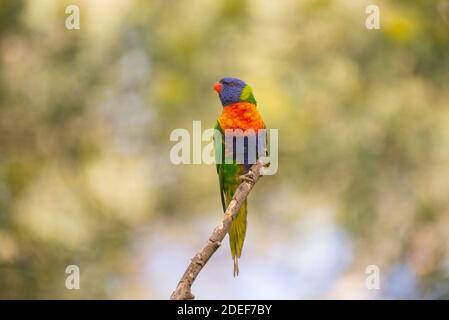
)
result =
(249, 177)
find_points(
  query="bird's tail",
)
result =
(237, 233)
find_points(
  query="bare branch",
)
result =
(183, 290)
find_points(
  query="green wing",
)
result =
(219, 153)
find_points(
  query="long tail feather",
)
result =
(237, 233)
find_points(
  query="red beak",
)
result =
(217, 87)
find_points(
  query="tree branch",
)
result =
(183, 290)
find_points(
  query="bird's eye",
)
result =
(231, 84)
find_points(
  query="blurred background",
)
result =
(85, 173)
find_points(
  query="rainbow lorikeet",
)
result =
(239, 112)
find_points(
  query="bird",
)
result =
(239, 112)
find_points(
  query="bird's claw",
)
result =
(248, 177)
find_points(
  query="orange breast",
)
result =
(241, 115)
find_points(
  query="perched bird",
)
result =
(239, 112)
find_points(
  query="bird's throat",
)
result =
(241, 115)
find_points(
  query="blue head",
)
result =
(233, 90)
